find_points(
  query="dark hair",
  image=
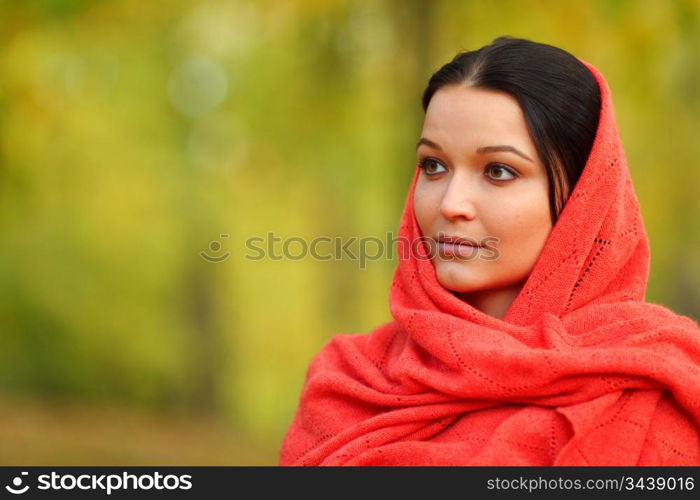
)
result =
(558, 94)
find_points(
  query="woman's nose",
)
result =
(458, 199)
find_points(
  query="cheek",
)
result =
(522, 228)
(425, 206)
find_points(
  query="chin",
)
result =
(455, 279)
(462, 278)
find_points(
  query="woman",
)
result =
(520, 332)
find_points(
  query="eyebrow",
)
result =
(482, 150)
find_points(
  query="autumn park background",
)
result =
(137, 136)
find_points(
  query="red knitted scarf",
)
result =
(580, 371)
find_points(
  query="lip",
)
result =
(457, 240)
(452, 250)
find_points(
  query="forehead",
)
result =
(458, 114)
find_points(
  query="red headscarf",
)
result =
(580, 371)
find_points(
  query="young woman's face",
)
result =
(482, 180)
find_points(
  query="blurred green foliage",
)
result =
(135, 135)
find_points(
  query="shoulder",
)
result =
(343, 351)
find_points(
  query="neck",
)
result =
(493, 302)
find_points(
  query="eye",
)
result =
(429, 165)
(501, 172)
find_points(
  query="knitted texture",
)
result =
(580, 371)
